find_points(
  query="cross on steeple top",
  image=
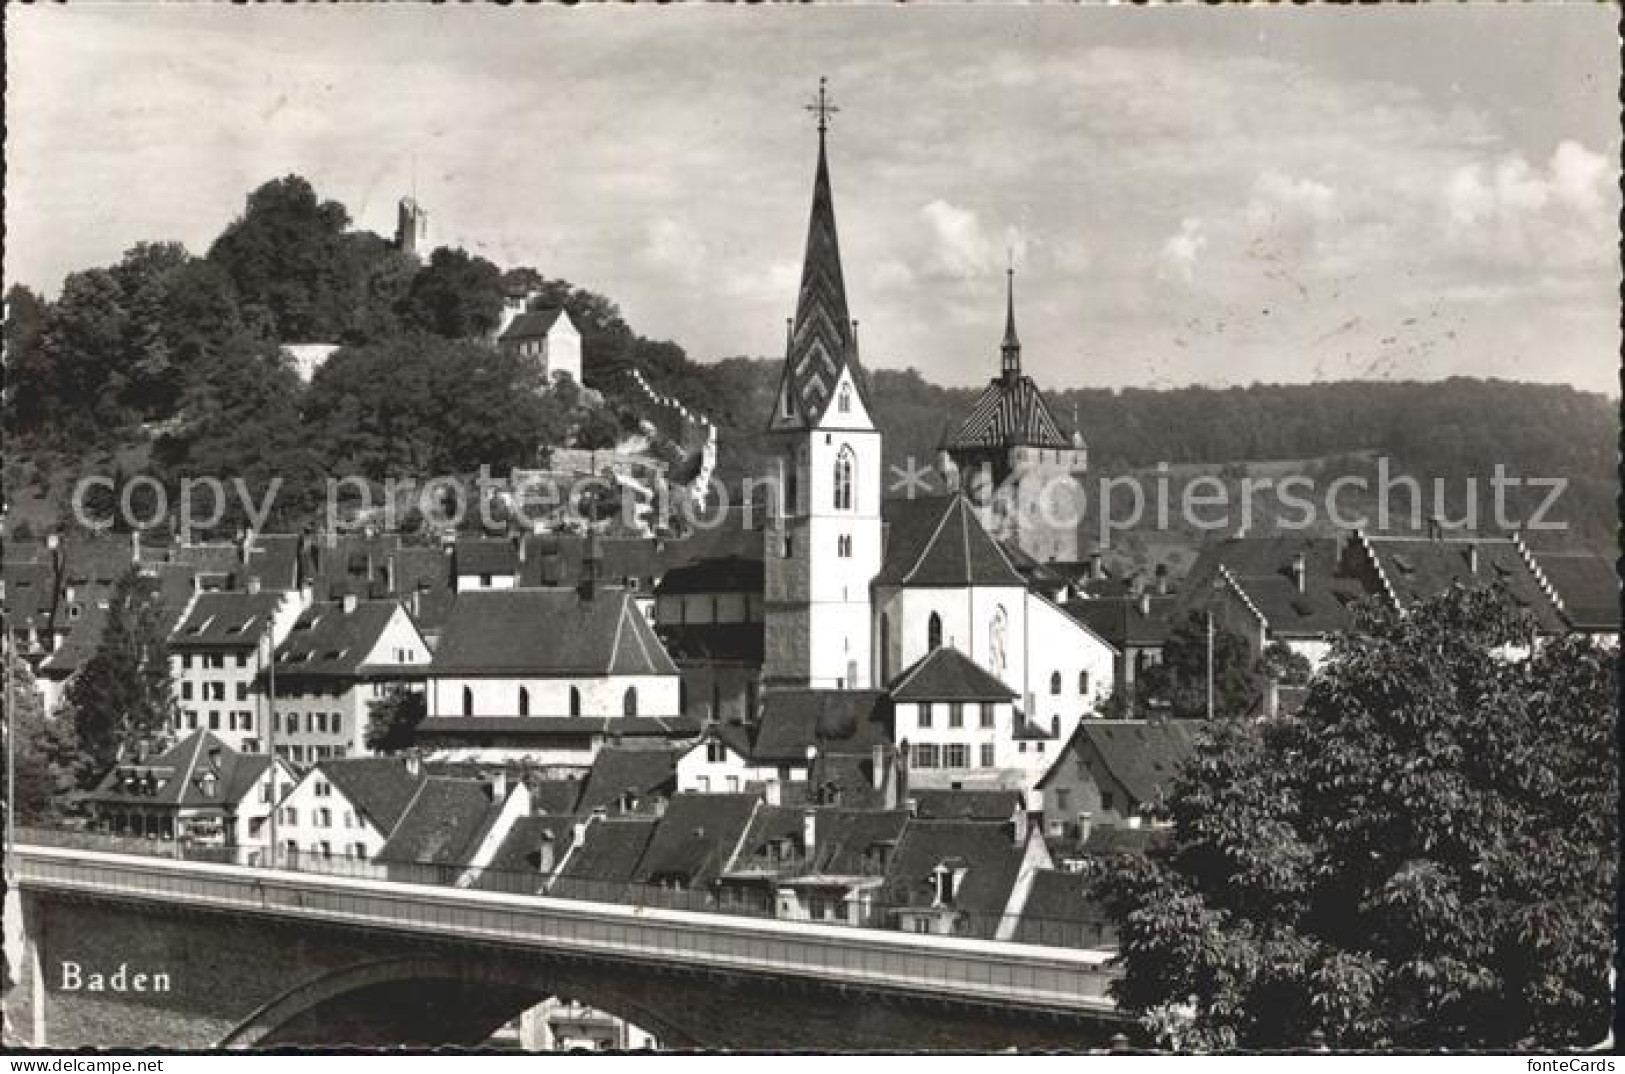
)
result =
(822, 107)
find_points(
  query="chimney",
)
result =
(877, 764)
(1300, 572)
(135, 546)
(414, 765)
(809, 833)
(578, 834)
(499, 785)
(544, 862)
(245, 544)
(253, 583)
(1086, 824)
(913, 806)
(1472, 557)
(1018, 824)
(1096, 569)
(389, 573)
(349, 603)
(214, 758)
(771, 793)
(1145, 602)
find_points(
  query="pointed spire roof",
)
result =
(821, 342)
(1010, 349)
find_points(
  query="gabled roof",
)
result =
(966, 804)
(644, 773)
(272, 558)
(380, 788)
(485, 555)
(326, 640)
(1587, 588)
(846, 779)
(851, 841)
(821, 345)
(696, 837)
(1415, 568)
(609, 854)
(1010, 412)
(1261, 568)
(987, 852)
(443, 824)
(549, 632)
(1142, 755)
(1058, 910)
(715, 643)
(177, 776)
(226, 620)
(517, 864)
(845, 721)
(174, 591)
(1121, 621)
(532, 324)
(938, 541)
(946, 674)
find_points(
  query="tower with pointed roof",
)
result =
(1012, 460)
(824, 540)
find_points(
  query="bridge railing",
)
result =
(748, 895)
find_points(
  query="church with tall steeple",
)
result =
(1012, 460)
(824, 541)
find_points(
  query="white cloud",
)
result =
(1181, 249)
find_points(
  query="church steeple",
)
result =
(1010, 349)
(821, 343)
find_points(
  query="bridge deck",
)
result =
(967, 970)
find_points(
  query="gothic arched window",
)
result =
(575, 701)
(1055, 727)
(933, 632)
(468, 701)
(843, 480)
(843, 403)
(524, 701)
(629, 703)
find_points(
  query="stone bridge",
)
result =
(253, 958)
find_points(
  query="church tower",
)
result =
(823, 541)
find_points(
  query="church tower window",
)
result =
(933, 632)
(844, 402)
(843, 479)
(629, 702)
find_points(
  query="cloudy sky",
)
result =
(1192, 195)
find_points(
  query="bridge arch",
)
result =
(427, 1001)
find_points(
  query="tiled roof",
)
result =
(326, 640)
(379, 787)
(533, 324)
(768, 825)
(554, 796)
(644, 773)
(851, 842)
(226, 620)
(443, 824)
(272, 558)
(1420, 567)
(1058, 911)
(696, 837)
(176, 777)
(966, 804)
(1009, 413)
(715, 643)
(845, 779)
(1587, 587)
(1120, 621)
(30, 593)
(1143, 755)
(1262, 568)
(173, 591)
(485, 555)
(549, 632)
(986, 851)
(444, 729)
(821, 343)
(609, 854)
(937, 541)
(727, 574)
(521, 852)
(946, 674)
(850, 721)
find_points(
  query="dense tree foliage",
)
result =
(392, 720)
(457, 295)
(43, 749)
(120, 699)
(1425, 856)
(1179, 682)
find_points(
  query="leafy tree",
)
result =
(393, 719)
(455, 295)
(1180, 681)
(1282, 664)
(287, 257)
(44, 748)
(30, 382)
(1425, 856)
(84, 350)
(120, 699)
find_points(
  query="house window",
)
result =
(843, 546)
(733, 784)
(1083, 682)
(1108, 801)
(843, 479)
(925, 714)
(987, 755)
(485, 581)
(1055, 682)
(715, 752)
(575, 701)
(324, 818)
(242, 660)
(956, 755)
(702, 784)
(987, 714)
(1063, 799)
(217, 660)
(787, 547)
(933, 632)
(956, 714)
(242, 691)
(1055, 727)
(629, 702)
(214, 721)
(468, 701)
(524, 701)
(925, 755)
(338, 723)
(322, 788)
(186, 691)
(290, 815)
